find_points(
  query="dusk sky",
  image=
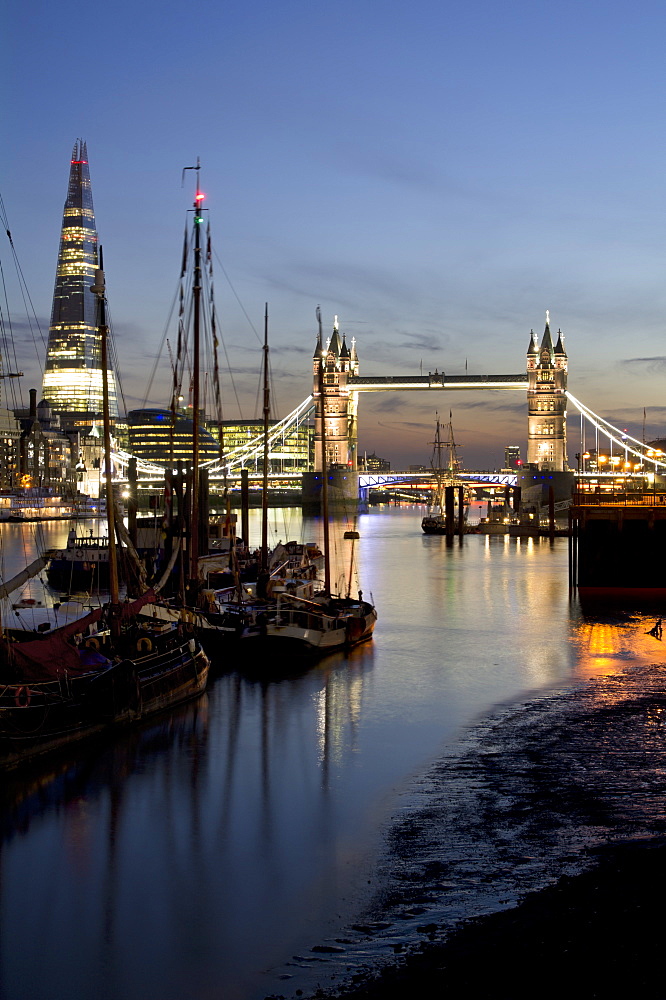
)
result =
(437, 175)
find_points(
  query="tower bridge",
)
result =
(336, 369)
(337, 383)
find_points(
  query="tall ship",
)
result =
(448, 514)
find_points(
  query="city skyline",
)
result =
(437, 178)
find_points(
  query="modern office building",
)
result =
(151, 438)
(292, 452)
(373, 463)
(73, 373)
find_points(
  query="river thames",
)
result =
(284, 831)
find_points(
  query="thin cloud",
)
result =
(423, 342)
(389, 404)
(22, 326)
(654, 365)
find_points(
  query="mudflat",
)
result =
(598, 934)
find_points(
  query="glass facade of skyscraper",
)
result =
(73, 372)
(153, 436)
(292, 452)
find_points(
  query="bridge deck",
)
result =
(435, 380)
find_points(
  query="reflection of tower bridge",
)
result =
(545, 383)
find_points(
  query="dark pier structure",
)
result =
(618, 540)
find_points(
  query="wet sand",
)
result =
(598, 934)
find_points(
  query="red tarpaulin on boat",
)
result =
(52, 654)
(132, 608)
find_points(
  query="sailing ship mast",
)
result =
(444, 477)
(99, 289)
(263, 575)
(439, 519)
(264, 491)
(437, 448)
(196, 350)
(324, 459)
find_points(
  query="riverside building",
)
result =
(290, 452)
(154, 437)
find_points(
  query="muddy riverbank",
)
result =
(598, 934)
(529, 860)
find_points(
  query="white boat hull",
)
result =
(321, 633)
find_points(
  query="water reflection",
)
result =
(610, 633)
(185, 858)
(175, 841)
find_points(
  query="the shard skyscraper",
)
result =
(73, 373)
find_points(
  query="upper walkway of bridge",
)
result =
(435, 380)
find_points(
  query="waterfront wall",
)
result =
(619, 544)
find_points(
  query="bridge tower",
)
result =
(340, 403)
(547, 402)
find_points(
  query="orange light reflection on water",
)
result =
(608, 647)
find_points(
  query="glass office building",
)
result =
(73, 373)
(153, 437)
(292, 452)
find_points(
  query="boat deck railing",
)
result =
(304, 619)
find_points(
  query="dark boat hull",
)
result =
(437, 526)
(433, 526)
(75, 575)
(37, 718)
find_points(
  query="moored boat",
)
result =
(319, 626)
(83, 565)
(108, 669)
(35, 503)
(496, 521)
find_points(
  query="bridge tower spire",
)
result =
(546, 399)
(340, 404)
